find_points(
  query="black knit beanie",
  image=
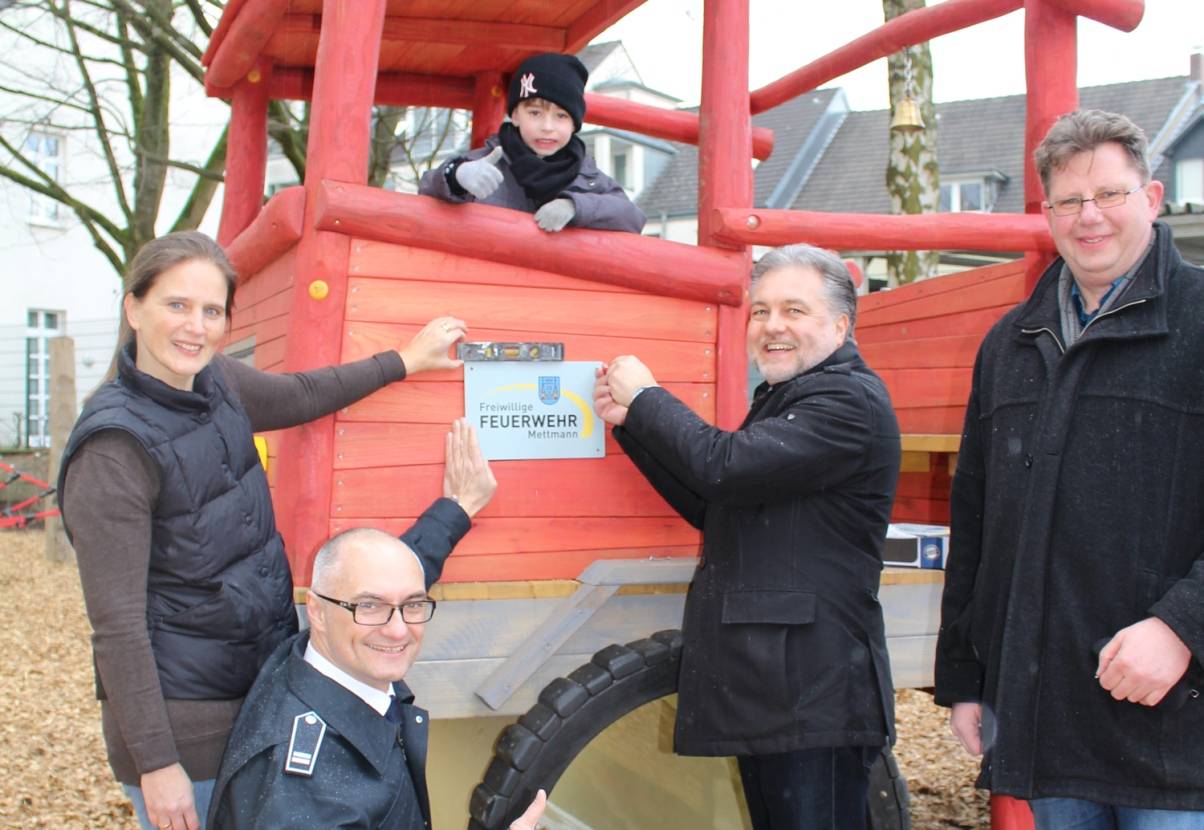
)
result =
(553, 77)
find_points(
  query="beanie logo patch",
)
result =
(527, 85)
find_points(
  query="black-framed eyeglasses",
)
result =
(1103, 199)
(371, 612)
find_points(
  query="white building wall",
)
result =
(12, 384)
(51, 264)
(675, 229)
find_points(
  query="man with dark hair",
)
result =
(784, 663)
(1072, 624)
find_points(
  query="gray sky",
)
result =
(664, 40)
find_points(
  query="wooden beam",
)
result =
(674, 125)
(600, 17)
(509, 236)
(229, 14)
(396, 88)
(725, 178)
(274, 230)
(905, 30)
(244, 41)
(881, 232)
(1119, 14)
(246, 168)
(339, 134)
(488, 106)
(474, 33)
(928, 442)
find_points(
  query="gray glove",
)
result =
(481, 177)
(555, 214)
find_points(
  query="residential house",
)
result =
(829, 159)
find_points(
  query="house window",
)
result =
(620, 163)
(45, 151)
(41, 326)
(1189, 181)
(966, 196)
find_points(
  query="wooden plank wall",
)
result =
(922, 340)
(549, 519)
(261, 307)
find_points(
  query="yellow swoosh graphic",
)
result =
(587, 422)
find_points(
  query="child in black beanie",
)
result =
(536, 162)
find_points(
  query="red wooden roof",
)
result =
(442, 38)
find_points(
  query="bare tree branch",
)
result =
(150, 27)
(97, 117)
(204, 172)
(206, 185)
(198, 15)
(44, 185)
(290, 134)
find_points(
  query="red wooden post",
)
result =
(488, 105)
(246, 166)
(276, 229)
(725, 179)
(854, 231)
(675, 125)
(509, 237)
(1050, 61)
(1009, 813)
(344, 83)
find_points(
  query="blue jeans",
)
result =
(202, 794)
(811, 789)
(1076, 814)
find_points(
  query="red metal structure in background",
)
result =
(17, 515)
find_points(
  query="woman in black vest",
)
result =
(184, 574)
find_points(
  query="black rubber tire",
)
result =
(571, 711)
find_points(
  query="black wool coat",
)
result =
(784, 640)
(1077, 510)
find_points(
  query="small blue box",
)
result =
(916, 546)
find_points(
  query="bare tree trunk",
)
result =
(912, 172)
(61, 419)
(384, 141)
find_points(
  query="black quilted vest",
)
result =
(219, 592)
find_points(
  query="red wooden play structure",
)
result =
(334, 270)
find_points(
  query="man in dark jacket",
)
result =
(785, 662)
(1072, 624)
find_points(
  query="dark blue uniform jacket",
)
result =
(365, 773)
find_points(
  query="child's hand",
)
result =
(481, 177)
(555, 214)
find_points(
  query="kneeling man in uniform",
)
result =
(329, 735)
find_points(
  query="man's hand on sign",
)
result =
(604, 405)
(467, 479)
(625, 375)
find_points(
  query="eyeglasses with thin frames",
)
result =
(1103, 199)
(371, 612)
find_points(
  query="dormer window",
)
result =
(1189, 181)
(973, 193)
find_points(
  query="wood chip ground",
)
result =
(53, 772)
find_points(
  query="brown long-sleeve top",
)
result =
(109, 496)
